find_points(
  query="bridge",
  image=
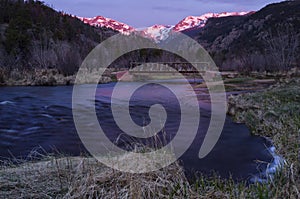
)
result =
(160, 67)
(139, 70)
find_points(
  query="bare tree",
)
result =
(252, 62)
(43, 55)
(282, 46)
(69, 58)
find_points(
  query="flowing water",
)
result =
(40, 119)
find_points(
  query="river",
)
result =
(38, 120)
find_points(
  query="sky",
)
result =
(144, 13)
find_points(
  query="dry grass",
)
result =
(80, 177)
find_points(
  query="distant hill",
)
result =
(251, 41)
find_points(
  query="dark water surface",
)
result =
(40, 118)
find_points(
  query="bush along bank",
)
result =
(45, 77)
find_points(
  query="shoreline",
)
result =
(52, 77)
(272, 113)
(48, 77)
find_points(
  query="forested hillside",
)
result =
(35, 36)
(265, 40)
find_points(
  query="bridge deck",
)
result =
(132, 72)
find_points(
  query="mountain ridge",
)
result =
(100, 21)
(159, 32)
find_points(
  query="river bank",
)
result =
(275, 113)
(52, 77)
(47, 77)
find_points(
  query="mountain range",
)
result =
(159, 32)
(267, 39)
(34, 35)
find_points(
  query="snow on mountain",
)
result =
(200, 21)
(100, 21)
(158, 32)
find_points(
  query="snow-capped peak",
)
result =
(101, 21)
(157, 32)
(200, 21)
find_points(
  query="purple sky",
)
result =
(142, 13)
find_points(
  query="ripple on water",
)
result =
(46, 115)
(7, 103)
(33, 128)
(8, 137)
(10, 131)
(274, 166)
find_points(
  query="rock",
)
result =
(69, 80)
(104, 80)
(231, 111)
(45, 81)
(293, 72)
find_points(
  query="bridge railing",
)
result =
(181, 67)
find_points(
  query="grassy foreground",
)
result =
(274, 113)
(79, 177)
